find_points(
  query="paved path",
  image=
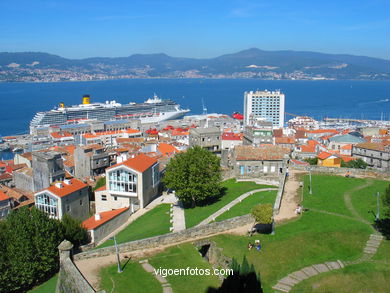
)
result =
(231, 204)
(150, 269)
(290, 197)
(288, 282)
(178, 217)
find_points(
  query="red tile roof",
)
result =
(231, 136)
(3, 196)
(91, 223)
(323, 131)
(140, 163)
(67, 189)
(101, 188)
(284, 140)
(325, 155)
(61, 134)
(347, 147)
(166, 149)
(310, 147)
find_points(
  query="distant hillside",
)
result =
(251, 63)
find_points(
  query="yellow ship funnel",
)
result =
(86, 100)
(62, 105)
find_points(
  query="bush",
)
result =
(263, 213)
(74, 231)
(356, 164)
(311, 161)
(101, 181)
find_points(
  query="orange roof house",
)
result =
(328, 160)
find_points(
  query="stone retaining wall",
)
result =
(171, 238)
(343, 171)
(279, 195)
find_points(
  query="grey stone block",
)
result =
(333, 265)
(147, 267)
(288, 281)
(281, 287)
(321, 268)
(340, 263)
(310, 271)
(299, 275)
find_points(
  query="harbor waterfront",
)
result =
(319, 99)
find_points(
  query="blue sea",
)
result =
(347, 99)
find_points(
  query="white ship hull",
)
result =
(163, 117)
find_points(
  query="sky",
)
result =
(199, 29)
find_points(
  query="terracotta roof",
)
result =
(3, 196)
(371, 146)
(5, 176)
(325, 155)
(26, 170)
(131, 131)
(16, 193)
(346, 159)
(300, 133)
(297, 162)
(27, 156)
(263, 152)
(284, 140)
(61, 134)
(231, 136)
(120, 140)
(165, 148)
(67, 189)
(69, 161)
(278, 132)
(91, 223)
(179, 133)
(310, 147)
(347, 147)
(89, 135)
(101, 188)
(140, 163)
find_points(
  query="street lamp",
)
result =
(378, 195)
(310, 190)
(117, 254)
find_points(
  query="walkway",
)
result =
(290, 197)
(178, 217)
(232, 204)
(287, 283)
(150, 269)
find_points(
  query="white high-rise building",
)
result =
(264, 105)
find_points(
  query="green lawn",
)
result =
(233, 190)
(365, 277)
(133, 279)
(328, 192)
(364, 200)
(153, 223)
(181, 257)
(246, 205)
(48, 287)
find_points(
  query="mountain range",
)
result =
(251, 63)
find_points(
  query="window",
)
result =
(122, 180)
(155, 175)
(47, 204)
(68, 208)
(115, 197)
(104, 197)
(81, 202)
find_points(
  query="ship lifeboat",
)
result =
(238, 116)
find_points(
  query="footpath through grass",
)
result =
(133, 279)
(48, 287)
(233, 190)
(153, 223)
(246, 205)
(181, 257)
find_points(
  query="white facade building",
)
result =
(264, 105)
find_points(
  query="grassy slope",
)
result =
(365, 277)
(246, 205)
(48, 287)
(133, 279)
(154, 222)
(181, 257)
(233, 190)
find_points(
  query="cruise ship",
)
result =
(151, 111)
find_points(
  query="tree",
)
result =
(101, 181)
(194, 175)
(386, 201)
(312, 161)
(262, 213)
(28, 249)
(356, 164)
(73, 230)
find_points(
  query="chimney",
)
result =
(67, 182)
(98, 217)
(59, 185)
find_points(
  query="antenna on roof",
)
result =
(204, 108)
